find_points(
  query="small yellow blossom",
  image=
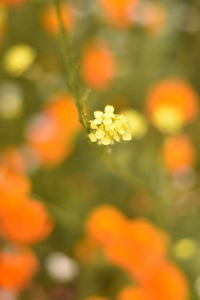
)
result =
(108, 127)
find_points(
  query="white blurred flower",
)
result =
(31, 159)
(184, 179)
(197, 286)
(7, 295)
(61, 267)
(11, 100)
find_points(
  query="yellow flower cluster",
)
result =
(108, 127)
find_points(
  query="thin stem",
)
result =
(65, 48)
(62, 37)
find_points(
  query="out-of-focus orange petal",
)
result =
(63, 109)
(178, 152)
(13, 184)
(51, 134)
(106, 224)
(136, 246)
(17, 269)
(49, 18)
(98, 66)
(26, 222)
(167, 283)
(149, 242)
(139, 249)
(119, 12)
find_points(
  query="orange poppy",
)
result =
(48, 141)
(49, 18)
(51, 134)
(106, 224)
(139, 249)
(178, 152)
(62, 108)
(98, 66)
(25, 222)
(167, 283)
(136, 246)
(149, 242)
(17, 267)
(119, 12)
(13, 184)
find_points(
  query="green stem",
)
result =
(65, 48)
(63, 38)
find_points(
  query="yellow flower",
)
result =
(108, 127)
(18, 59)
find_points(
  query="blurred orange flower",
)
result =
(106, 224)
(134, 293)
(171, 103)
(148, 241)
(98, 65)
(136, 246)
(49, 18)
(167, 283)
(47, 141)
(13, 184)
(63, 110)
(51, 135)
(139, 250)
(25, 222)
(17, 267)
(178, 152)
(119, 12)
